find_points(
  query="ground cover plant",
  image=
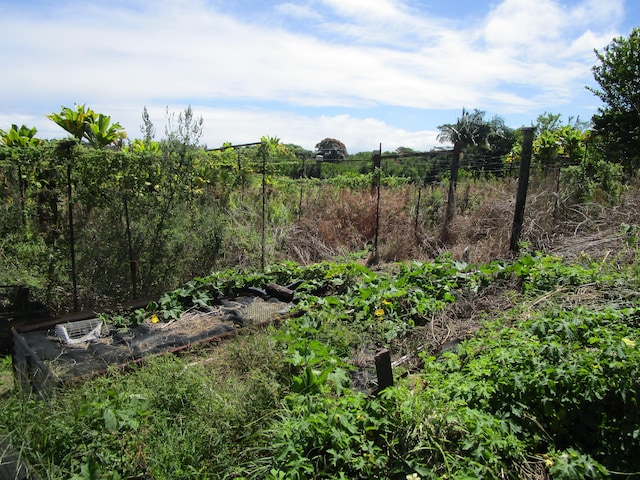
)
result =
(546, 386)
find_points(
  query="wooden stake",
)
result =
(523, 185)
(383, 369)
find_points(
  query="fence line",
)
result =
(380, 165)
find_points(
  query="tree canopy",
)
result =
(617, 124)
(331, 148)
(477, 135)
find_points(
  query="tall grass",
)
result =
(172, 418)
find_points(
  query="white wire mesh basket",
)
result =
(81, 331)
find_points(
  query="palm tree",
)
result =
(472, 129)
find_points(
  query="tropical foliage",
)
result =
(85, 124)
(618, 122)
(474, 134)
(22, 136)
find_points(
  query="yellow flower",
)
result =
(379, 312)
(154, 318)
(628, 342)
(386, 302)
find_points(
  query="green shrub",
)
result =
(592, 180)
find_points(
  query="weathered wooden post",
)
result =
(375, 187)
(415, 220)
(241, 173)
(133, 263)
(451, 200)
(523, 185)
(376, 159)
(263, 226)
(67, 146)
(302, 176)
(384, 371)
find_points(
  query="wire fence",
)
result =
(117, 236)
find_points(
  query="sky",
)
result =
(369, 73)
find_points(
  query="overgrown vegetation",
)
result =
(546, 387)
(90, 221)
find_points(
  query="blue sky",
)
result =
(367, 72)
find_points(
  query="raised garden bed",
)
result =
(80, 345)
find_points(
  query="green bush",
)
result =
(592, 180)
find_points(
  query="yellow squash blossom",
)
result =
(628, 342)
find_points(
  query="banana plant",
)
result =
(76, 122)
(22, 136)
(102, 132)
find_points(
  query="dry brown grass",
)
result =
(345, 221)
(340, 222)
(337, 222)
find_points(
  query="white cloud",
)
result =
(551, 32)
(524, 25)
(302, 12)
(519, 56)
(367, 10)
(358, 134)
(597, 12)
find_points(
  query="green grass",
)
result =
(6, 375)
